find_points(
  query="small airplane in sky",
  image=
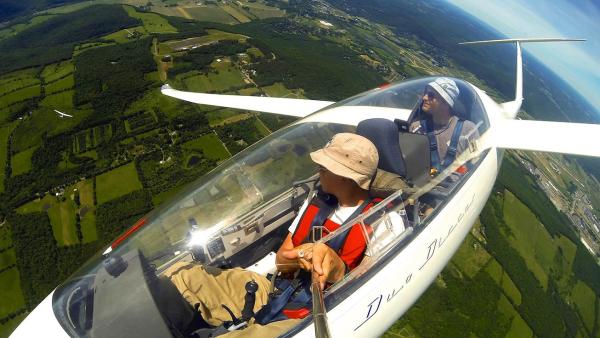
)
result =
(239, 214)
(61, 114)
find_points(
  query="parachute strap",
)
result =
(453, 147)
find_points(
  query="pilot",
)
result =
(448, 134)
(346, 167)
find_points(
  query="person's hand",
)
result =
(328, 266)
(302, 254)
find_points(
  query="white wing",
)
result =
(61, 114)
(281, 106)
(557, 137)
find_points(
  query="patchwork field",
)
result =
(117, 182)
(19, 95)
(532, 241)
(62, 218)
(225, 116)
(21, 162)
(87, 211)
(224, 78)
(210, 145)
(15, 29)
(10, 292)
(209, 13)
(16, 80)
(60, 85)
(153, 23)
(57, 71)
(585, 301)
(262, 11)
(44, 120)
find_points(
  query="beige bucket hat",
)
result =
(349, 155)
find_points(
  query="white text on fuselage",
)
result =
(380, 300)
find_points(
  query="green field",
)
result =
(238, 13)
(56, 71)
(17, 80)
(279, 90)
(21, 162)
(153, 23)
(62, 218)
(529, 237)
(10, 292)
(5, 236)
(20, 95)
(262, 11)
(65, 83)
(87, 211)
(210, 13)
(63, 100)
(223, 78)
(44, 120)
(471, 257)
(249, 91)
(7, 258)
(225, 116)
(7, 328)
(585, 300)
(262, 128)
(210, 145)
(117, 182)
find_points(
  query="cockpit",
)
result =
(239, 214)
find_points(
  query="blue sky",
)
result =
(576, 62)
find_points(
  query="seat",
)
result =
(384, 135)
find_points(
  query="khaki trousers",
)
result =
(209, 288)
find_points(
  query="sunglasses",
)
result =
(430, 94)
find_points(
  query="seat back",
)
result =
(415, 151)
(384, 135)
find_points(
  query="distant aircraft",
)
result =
(61, 114)
(238, 215)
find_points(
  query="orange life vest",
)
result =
(354, 245)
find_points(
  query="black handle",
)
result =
(250, 300)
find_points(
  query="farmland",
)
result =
(117, 182)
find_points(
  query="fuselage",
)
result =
(371, 297)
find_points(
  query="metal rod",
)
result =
(319, 313)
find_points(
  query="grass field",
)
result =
(237, 13)
(223, 79)
(10, 292)
(153, 23)
(249, 91)
(210, 13)
(279, 90)
(65, 83)
(471, 257)
(117, 182)
(529, 238)
(63, 100)
(20, 95)
(44, 120)
(56, 71)
(62, 218)
(90, 45)
(21, 162)
(585, 300)
(211, 147)
(263, 11)
(7, 328)
(262, 128)
(7, 258)
(225, 116)
(87, 211)
(17, 80)
(4, 133)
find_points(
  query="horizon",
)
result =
(575, 63)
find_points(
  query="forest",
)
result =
(53, 40)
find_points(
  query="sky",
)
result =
(576, 62)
